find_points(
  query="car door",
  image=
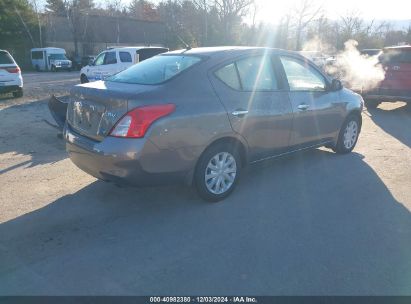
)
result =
(109, 66)
(258, 107)
(317, 110)
(94, 71)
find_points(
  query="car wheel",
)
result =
(217, 172)
(18, 93)
(83, 78)
(348, 136)
(53, 68)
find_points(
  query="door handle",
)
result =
(239, 113)
(303, 107)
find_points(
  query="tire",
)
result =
(83, 78)
(349, 133)
(18, 94)
(216, 192)
(53, 68)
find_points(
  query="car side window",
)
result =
(100, 59)
(249, 74)
(228, 75)
(110, 58)
(257, 74)
(125, 57)
(301, 76)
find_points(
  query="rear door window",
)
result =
(257, 74)
(125, 57)
(5, 58)
(250, 74)
(110, 58)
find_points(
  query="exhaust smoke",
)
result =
(356, 71)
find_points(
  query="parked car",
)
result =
(10, 75)
(397, 82)
(79, 62)
(200, 115)
(319, 58)
(50, 59)
(114, 60)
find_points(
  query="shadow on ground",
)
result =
(387, 119)
(24, 132)
(311, 224)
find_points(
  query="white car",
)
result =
(10, 75)
(115, 60)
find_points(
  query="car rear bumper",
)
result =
(136, 162)
(63, 67)
(388, 95)
(9, 88)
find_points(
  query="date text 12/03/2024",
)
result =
(203, 300)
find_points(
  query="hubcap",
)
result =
(220, 173)
(350, 134)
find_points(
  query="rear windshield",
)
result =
(155, 70)
(5, 58)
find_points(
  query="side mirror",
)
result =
(91, 62)
(336, 85)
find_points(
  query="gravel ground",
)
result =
(309, 224)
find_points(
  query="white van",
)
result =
(50, 59)
(114, 60)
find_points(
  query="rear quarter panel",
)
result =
(199, 118)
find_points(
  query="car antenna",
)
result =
(186, 46)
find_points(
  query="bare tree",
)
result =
(230, 13)
(303, 14)
(37, 12)
(26, 28)
(351, 23)
(204, 6)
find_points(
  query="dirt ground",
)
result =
(313, 223)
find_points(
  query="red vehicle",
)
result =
(397, 83)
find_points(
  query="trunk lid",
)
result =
(95, 107)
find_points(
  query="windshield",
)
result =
(155, 70)
(58, 56)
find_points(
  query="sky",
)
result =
(368, 9)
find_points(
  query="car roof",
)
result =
(47, 48)
(134, 48)
(398, 47)
(208, 51)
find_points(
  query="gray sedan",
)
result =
(200, 115)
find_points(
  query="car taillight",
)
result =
(13, 70)
(136, 122)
